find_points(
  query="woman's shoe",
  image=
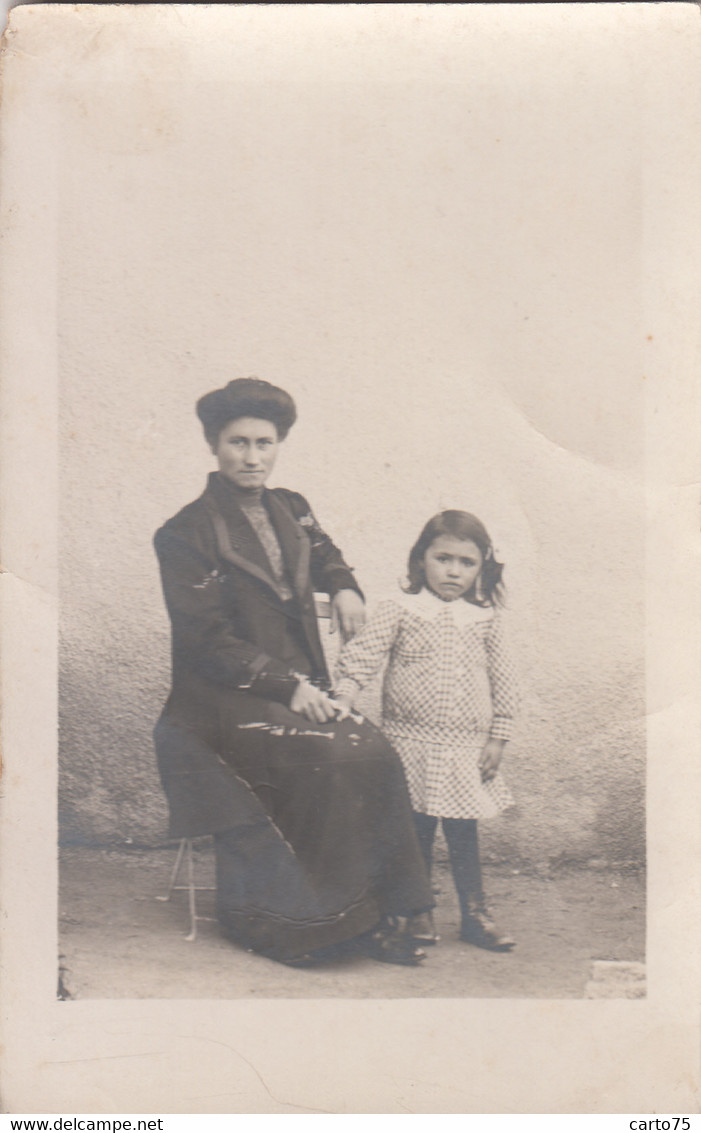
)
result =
(422, 929)
(308, 960)
(479, 929)
(390, 946)
(328, 954)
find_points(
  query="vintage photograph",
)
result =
(381, 340)
(344, 325)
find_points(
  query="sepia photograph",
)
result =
(445, 291)
(338, 333)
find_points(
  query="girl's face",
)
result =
(451, 566)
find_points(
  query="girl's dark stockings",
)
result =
(463, 848)
(476, 926)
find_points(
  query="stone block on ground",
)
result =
(616, 979)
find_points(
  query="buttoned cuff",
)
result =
(273, 687)
(271, 679)
(501, 728)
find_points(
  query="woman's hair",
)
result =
(246, 397)
(488, 590)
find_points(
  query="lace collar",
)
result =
(427, 605)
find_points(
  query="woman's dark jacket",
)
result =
(237, 644)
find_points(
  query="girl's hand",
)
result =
(344, 707)
(347, 614)
(490, 759)
(311, 702)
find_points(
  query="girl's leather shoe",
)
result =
(479, 929)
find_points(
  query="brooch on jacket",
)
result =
(310, 523)
(213, 576)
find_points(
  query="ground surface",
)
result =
(119, 941)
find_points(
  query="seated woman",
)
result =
(314, 839)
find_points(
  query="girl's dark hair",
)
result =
(246, 397)
(488, 589)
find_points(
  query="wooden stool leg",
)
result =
(175, 870)
(185, 856)
(191, 893)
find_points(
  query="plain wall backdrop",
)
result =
(437, 252)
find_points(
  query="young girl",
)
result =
(449, 696)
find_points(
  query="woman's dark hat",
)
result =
(246, 397)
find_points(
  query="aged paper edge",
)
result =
(412, 1056)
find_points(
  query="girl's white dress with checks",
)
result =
(449, 685)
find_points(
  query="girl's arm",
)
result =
(502, 679)
(505, 698)
(362, 657)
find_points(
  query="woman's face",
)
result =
(246, 451)
(451, 566)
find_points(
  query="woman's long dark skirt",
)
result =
(334, 847)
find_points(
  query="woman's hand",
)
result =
(347, 613)
(311, 702)
(490, 759)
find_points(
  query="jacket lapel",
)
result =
(236, 540)
(296, 551)
(239, 544)
(293, 542)
(228, 550)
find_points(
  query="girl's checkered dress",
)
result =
(449, 685)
